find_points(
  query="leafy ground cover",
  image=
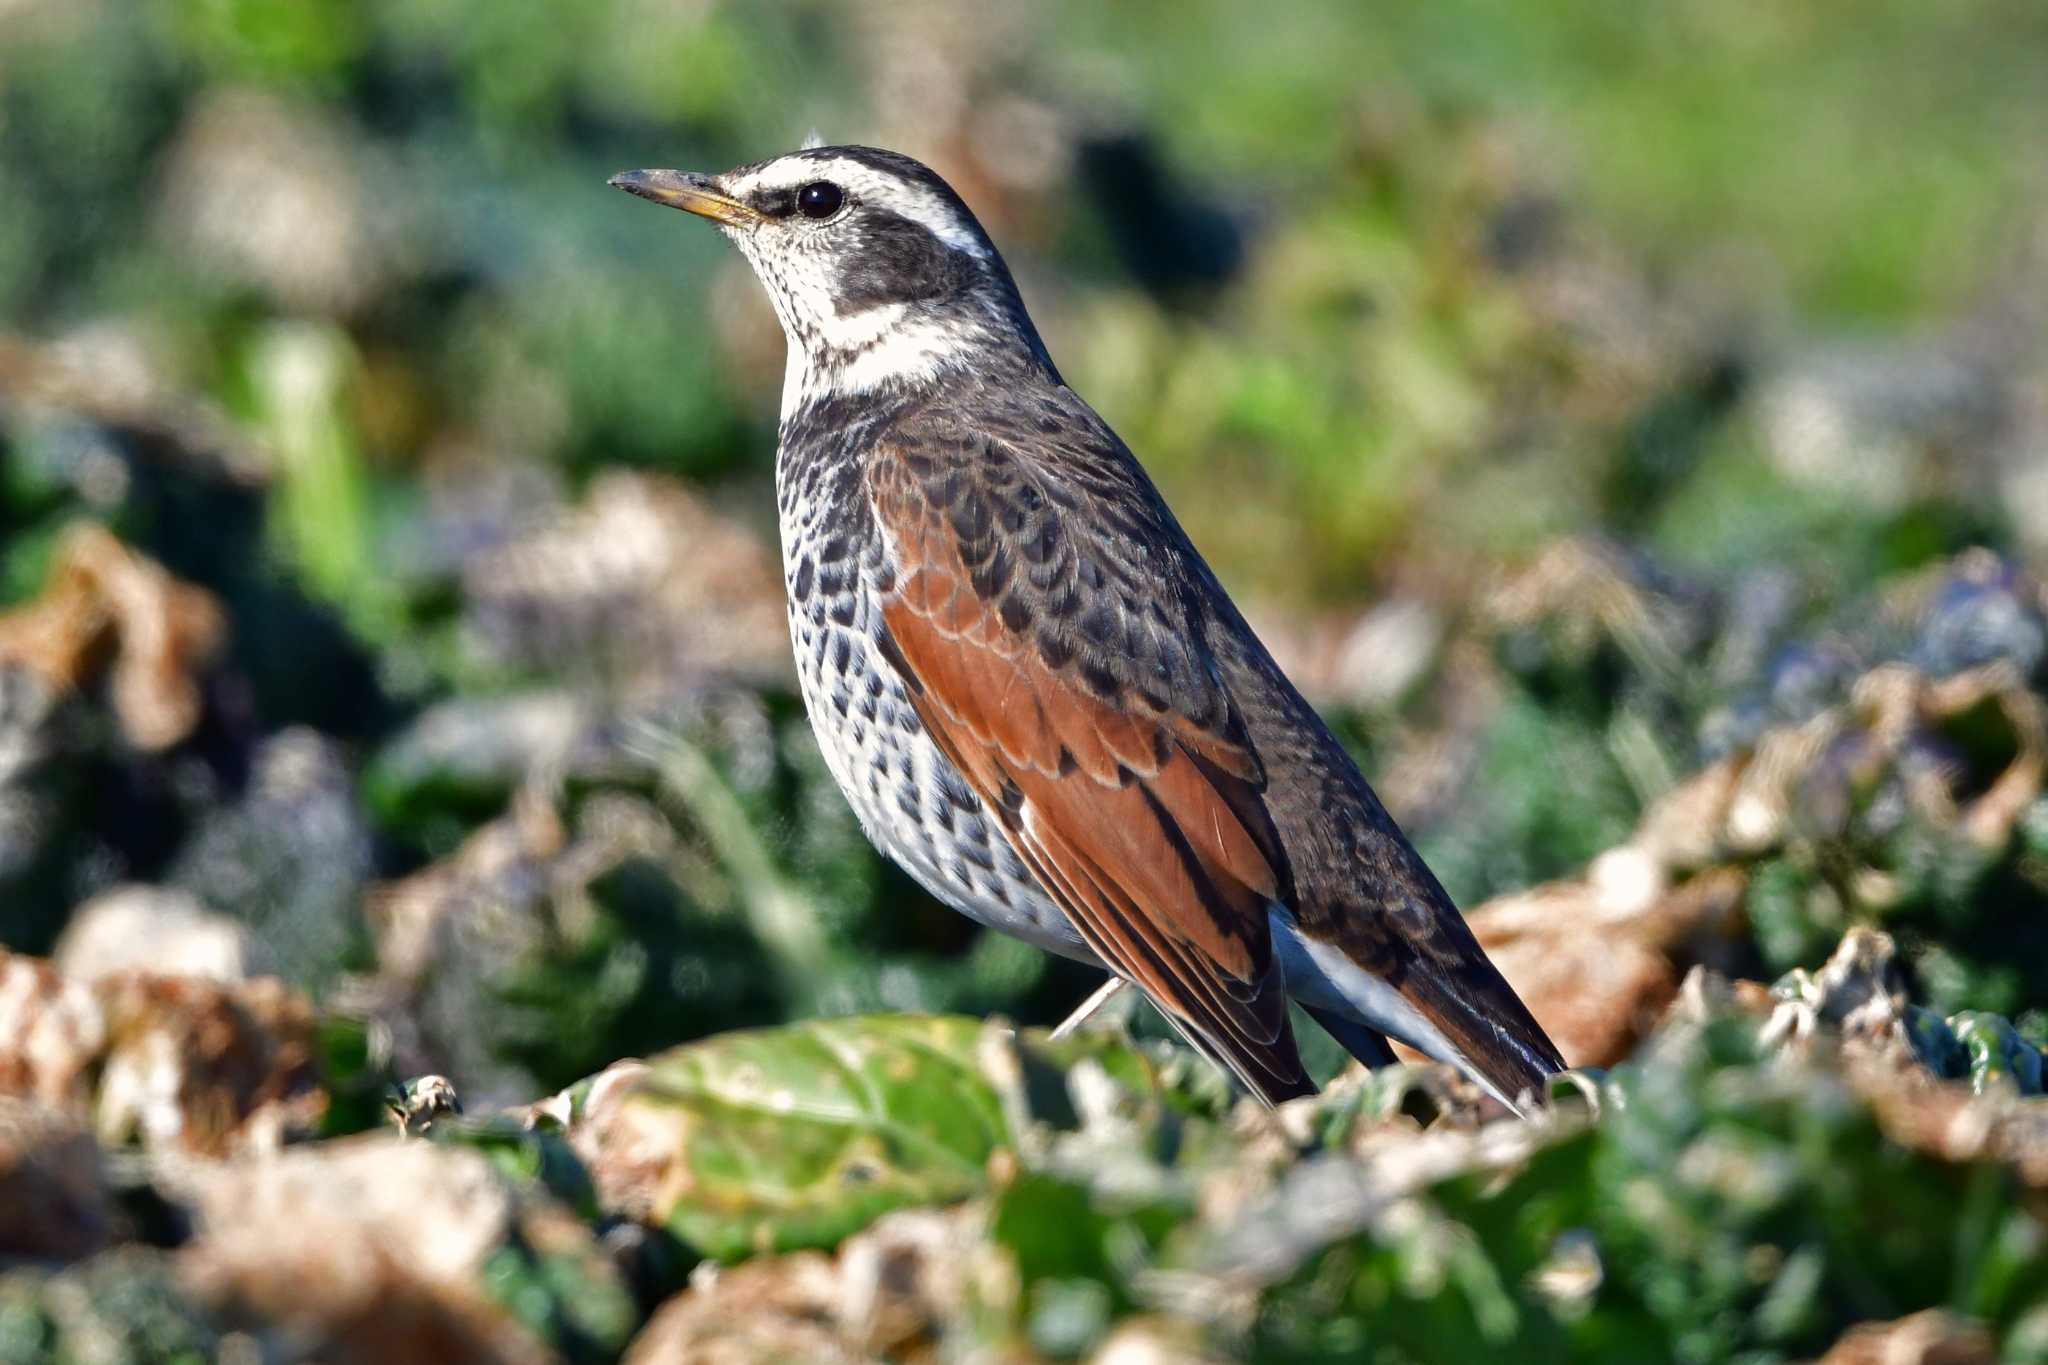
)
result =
(427, 929)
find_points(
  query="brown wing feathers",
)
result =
(1132, 808)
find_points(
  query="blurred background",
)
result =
(1578, 398)
(1628, 424)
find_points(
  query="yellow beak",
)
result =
(690, 191)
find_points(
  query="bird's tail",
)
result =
(1442, 998)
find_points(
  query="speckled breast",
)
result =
(913, 804)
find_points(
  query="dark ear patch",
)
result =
(776, 203)
(894, 259)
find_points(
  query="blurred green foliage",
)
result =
(1721, 1194)
(124, 1307)
(1377, 351)
(325, 308)
(1717, 1207)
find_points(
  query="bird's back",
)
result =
(1361, 888)
(1144, 610)
(1355, 882)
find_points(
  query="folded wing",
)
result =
(1058, 671)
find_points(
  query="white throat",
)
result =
(882, 346)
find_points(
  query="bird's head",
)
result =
(880, 275)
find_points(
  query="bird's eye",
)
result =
(819, 199)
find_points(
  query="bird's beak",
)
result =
(690, 191)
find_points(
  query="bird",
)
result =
(1036, 695)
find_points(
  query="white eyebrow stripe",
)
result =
(919, 203)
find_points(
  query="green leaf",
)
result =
(774, 1139)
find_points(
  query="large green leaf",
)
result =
(773, 1139)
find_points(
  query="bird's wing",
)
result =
(1058, 670)
(1399, 929)
(1428, 954)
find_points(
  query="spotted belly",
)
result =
(911, 801)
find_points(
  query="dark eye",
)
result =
(819, 199)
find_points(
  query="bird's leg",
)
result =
(1089, 1006)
